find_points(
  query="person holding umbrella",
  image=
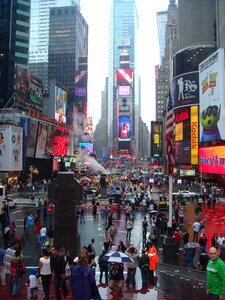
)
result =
(116, 278)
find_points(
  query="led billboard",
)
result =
(124, 77)
(212, 95)
(29, 89)
(81, 78)
(41, 140)
(60, 104)
(61, 141)
(124, 127)
(124, 90)
(185, 89)
(32, 138)
(88, 147)
(187, 172)
(124, 146)
(212, 160)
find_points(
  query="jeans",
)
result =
(82, 219)
(203, 249)
(106, 275)
(189, 263)
(17, 285)
(59, 282)
(214, 297)
(151, 277)
(144, 234)
(195, 237)
(131, 277)
(38, 237)
(49, 219)
(30, 228)
(42, 240)
(128, 234)
(144, 278)
(46, 284)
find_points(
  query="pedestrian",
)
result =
(143, 264)
(153, 223)
(30, 223)
(185, 237)
(214, 241)
(50, 209)
(82, 279)
(189, 255)
(45, 272)
(203, 260)
(154, 260)
(68, 263)
(91, 248)
(208, 203)
(181, 215)
(43, 233)
(196, 226)
(132, 266)
(144, 228)
(129, 227)
(220, 240)
(58, 271)
(116, 279)
(82, 213)
(112, 232)
(17, 269)
(37, 230)
(2, 269)
(50, 235)
(121, 247)
(153, 238)
(105, 214)
(203, 242)
(33, 283)
(107, 241)
(103, 265)
(177, 237)
(215, 276)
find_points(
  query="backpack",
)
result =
(89, 248)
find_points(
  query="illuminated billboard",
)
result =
(156, 138)
(81, 78)
(81, 91)
(60, 104)
(41, 140)
(185, 89)
(88, 147)
(50, 140)
(187, 172)
(124, 127)
(194, 135)
(212, 160)
(11, 139)
(212, 95)
(61, 141)
(32, 138)
(124, 90)
(124, 77)
(29, 89)
(124, 146)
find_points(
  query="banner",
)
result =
(212, 160)
(41, 140)
(194, 135)
(32, 138)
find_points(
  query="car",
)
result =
(93, 190)
(129, 198)
(186, 194)
(114, 191)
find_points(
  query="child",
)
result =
(33, 284)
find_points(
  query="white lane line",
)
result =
(15, 212)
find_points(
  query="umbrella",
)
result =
(117, 257)
(191, 245)
(153, 211)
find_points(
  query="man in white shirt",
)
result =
(220, 240)
(196, 226)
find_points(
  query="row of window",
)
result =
(20, 49)
(23, 7)
(22, 28)
(59, 12)
(23, 18)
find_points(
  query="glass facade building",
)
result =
(123, 35)
(161, 18)
(39, 35)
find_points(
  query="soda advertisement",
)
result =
(11, 139)
(124, 127)
(185, 89)
(212, 160)
(29, 89)
(124, 77)
(41, 140)
(212, 95)
(60, 104)
(32, 139)
(61, 141)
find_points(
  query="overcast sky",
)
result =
(96, 13)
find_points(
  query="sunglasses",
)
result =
(209, 111)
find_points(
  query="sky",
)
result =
(97, 14)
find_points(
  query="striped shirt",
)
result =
(9, 254)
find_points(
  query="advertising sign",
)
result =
(29, 89)
(32, 139)
(124, 127)
(81, 78)
(194, 135)
(124, 77)
(50, 141)
(212, 160)
(41, 140)
(61, 141)
(124, 90)
(60, 104)
(187, 172)
(185, 89)
(212, 95)
(124, 146)
(11, 140)
(25, 124)
(81, 91)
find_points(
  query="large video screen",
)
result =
(124, 127)
(29, 89)
(81, 78)
(124, 77)
(60, 104)
(61, 141)
(212, 160)
(41, 140)
(124, 90)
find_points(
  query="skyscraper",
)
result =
(161, 18)
(39, 35)
(123, 36)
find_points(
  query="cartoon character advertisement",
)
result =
(212, 93)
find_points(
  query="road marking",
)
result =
(15, 212)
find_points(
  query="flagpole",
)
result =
(170, 200)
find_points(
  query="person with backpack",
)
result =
(17, 269)
(103, 265)
(91, 248)
(143, 264)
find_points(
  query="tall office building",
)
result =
(161, 18)
(39, 35)
(14, 45)
(123, 36)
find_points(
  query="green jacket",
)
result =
(216, 277)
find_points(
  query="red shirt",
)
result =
(177, 236)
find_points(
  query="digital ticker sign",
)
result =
(212, 160)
